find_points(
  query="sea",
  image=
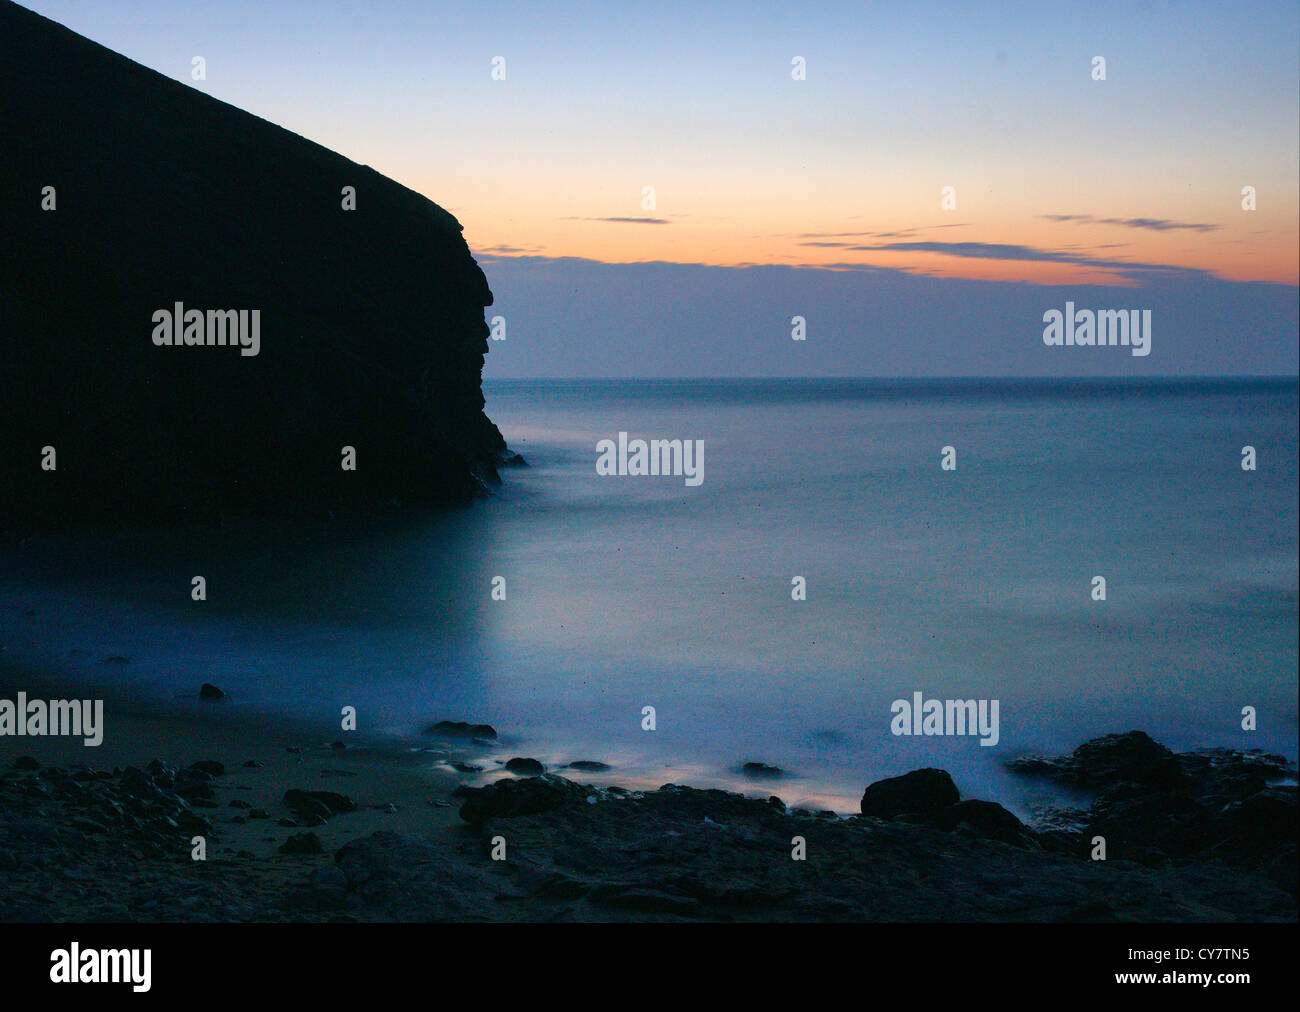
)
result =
(850, 544)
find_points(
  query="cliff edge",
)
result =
(192, 321)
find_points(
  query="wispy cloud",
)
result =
(510, 250)
(1012, 251)
(625, 221)
(1152, 224)
(978, 250)
(905, 233)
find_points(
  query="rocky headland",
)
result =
(128, 193)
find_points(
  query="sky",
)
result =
(1057, 179)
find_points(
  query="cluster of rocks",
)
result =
(929, 797)
(101, 845)
(1154, 806)
(1147, 804)
(94, 845)
(485, 736)
(578, 852)
(156, 806)
(1196, 837)
(506, 799)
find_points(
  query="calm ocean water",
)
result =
(627, 592)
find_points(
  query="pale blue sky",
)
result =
(1062, 181)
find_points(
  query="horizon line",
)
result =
(1164, 378)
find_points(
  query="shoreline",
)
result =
(182, 719)
(296, 828)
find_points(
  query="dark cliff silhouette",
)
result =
(372, 331)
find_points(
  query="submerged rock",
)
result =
(1126, 758)
(460, 729)
(758, 770)
(209, 691)
(1107, 762)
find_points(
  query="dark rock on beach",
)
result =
(337, 803)
(929, 797)
(589, 766)
(919, 792)
(983, 818)
(321, 804)
(525, 767)
(208, 691)
(302, 843)
(509, 798)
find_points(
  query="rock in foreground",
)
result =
(510, 798)
(92, 845)
(919, 792)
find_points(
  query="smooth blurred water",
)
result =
(626, 592)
